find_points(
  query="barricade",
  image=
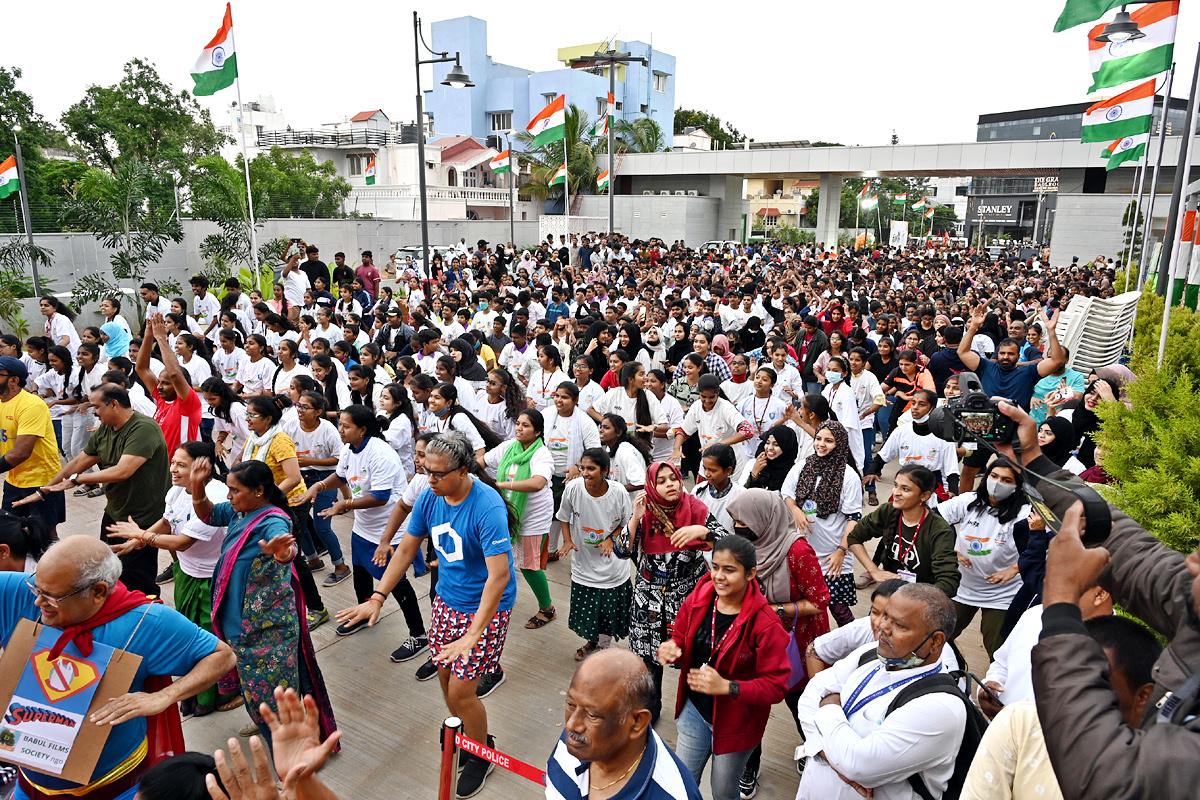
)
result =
(453, 741)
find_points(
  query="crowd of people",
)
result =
(703, 434)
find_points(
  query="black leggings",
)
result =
(656, 672)
(312, 596)
(364, 586)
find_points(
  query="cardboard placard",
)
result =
(117, 679)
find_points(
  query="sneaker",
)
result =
(800, 766)
(864, 580)
(349, 629)
(413, 646)
(427, 670)
(335, 577)
(316, 619)
(464, 756)
(489, 683)
(249, 730)
(316, 565)
(473, 777)
(166, 576)
(748, 785)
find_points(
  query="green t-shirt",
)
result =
(142, 495)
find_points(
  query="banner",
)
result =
(899, 234)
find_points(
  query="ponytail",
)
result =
(26, 537)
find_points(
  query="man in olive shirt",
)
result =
(133, 469)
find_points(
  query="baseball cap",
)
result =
(14, 367)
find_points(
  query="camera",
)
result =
(971, 416)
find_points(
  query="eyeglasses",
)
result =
(304, 408)
(434, 475)
(495, 383)
(252, 415)
(52, 601)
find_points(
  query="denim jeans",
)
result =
(868, 435)
(322, 527)
(694, 747)
(884, 417)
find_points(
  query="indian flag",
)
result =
(1077, 12)
(1127, 114)
(602, 181)
(1131, 148)
(602, 127)
(371, 172)
(900, 199)
(929, 213)
(871, 202)
(502, 163)
(1116, 63)
(9, 182)
(866, 188)
(216, 68)
(560, 176)
(550, 124)
(917, 206)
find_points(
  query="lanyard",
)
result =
(902, 554)
(851, 707)
(712, 637)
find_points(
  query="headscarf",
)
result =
(1118, 374)
(1064, 442)
(766, 514)
(636, 345)
(720, 346)
(777, 469)
(1086, 422)
(680, 348)
(662, 519)
(118, 340)
(821, 477)
(469, 368)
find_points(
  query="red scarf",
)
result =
(740, 378)
(688, 510)
(119, 602)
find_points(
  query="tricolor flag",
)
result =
(1131, 148)
(502, 163)
(1117, 63)
(900, 199)
(602, 127)
(1077, 12)
(917, 206)
(550, 124)
(371, 171)
(871, 202)
(866, 188)
(602, 181)
(929, 213)
(560, 176)
(216, 68)
(9, 181)
(1127, 114)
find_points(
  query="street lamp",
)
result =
(456, 79)
(1121, 29)
(24, 192)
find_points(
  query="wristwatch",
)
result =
(779, 611)
(734, 689)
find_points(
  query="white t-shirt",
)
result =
(200, 559)
(542, 385)
(714, 426)
(58, 327)
(990, 547)
(905, 446)
(324, 442)
(627, 466)
(375, 467)
(399, 435)
(737, 392)
(1013, 664)
(717, 505)
(459, 422)
(661, 449)
(283, 377)
(787, 378)
(229, 364)
(592, 519)
(762, 414)
(206, 309)
(840, 642)
(825, 533)
(295, 283)
(255, 376)
(539, 508)
(495, 416)
(512, 359)
(588, 395)
(237, 427)
(617, 401)
(866, 390)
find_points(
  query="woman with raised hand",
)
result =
(504, 399)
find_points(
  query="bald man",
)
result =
(77, 586)
(608, 748)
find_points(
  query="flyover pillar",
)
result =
(829, 208)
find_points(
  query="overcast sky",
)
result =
(848, 71)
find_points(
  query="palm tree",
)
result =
(643, 135)
(581, 165)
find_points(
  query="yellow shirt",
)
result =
(28, 415)
(281, 449)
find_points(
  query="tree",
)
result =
(115, 207)
(546, 160)
(1132, 255)
(16, 280)
(295, 185)
(728, 136)
(16, 108)
(643, 135)
(219, 194)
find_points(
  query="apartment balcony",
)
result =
(326, 138)
(483, 195)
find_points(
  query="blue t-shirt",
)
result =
(223, 515)
(1016, 384)
(168, 642)
(464, 535)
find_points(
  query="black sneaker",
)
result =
(413, 646)
(166, 576)
(748, 784)
(463, 755)
(427, 670)
(474, 776)
(489, 683)
(348, 629)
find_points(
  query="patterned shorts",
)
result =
(448, 625)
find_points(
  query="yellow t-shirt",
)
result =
(281, 449)
(28, 415)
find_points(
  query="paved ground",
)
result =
(391, 721)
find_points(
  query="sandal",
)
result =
(96, 492)
(541, 619)
(80, 492)
(586, 651)
(872, 499)
(236, 701)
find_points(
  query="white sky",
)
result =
(847, 71)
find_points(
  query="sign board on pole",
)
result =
(899, 234)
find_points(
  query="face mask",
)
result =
(483, 306)
(920, 421)
(836, 377)
(745, 533)
(1000, 491)
(905, 662)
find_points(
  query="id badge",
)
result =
(906, 575)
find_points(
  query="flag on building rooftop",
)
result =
(1131, 148)
(602, 181)
(1127, 114)
(1077, 12)
(9, 181)
(917, 206)
(603, 125)
(371, 172)
(502, 163)
(900, 199)
(560, 176)
(929, 213)
(550, 124)
(1117, 63)
(216, 68)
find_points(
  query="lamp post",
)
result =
(24, 192)
(512, 188)
(457, 79)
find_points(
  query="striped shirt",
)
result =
(659, 776)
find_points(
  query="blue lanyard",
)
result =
(852, 707)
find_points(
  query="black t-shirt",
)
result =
(342, 273)
(879, 369)
(314, 270)
(702, 652)
(942, 365)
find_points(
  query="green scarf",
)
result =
(520, 455)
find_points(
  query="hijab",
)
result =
(1064, 442)
(636, 345)
(118, 340)
(720, 346)
(662, 518)
(766, 514)
(469, 368)
(777, 469)
(680, 348)
(822, 477)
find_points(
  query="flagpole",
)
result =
(1162, 135)
(1175, 215)
(26, 217)
(246, 167)
(1137, 216)
(567, 178)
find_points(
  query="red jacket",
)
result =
(753, 653)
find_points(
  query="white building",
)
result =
(692, 139)
(257, 116)
(951, 192)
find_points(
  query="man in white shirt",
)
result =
(205, 306)
(295, 284)
(155, 303)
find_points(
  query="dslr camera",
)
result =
(973, 415)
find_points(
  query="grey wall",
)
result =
(1087, 225)
(693, 219)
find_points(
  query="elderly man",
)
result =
(608, 749)
(856, 748)
(77, 590)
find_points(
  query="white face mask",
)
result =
(999, 490)
(921, 420)
(833, 377)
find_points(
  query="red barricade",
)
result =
(453, 741)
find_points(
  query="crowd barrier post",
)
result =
(449, 758)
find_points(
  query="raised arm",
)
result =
(1055, 355)
(173, 370)
(969, 357)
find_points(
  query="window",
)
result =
(771, 220)
(601, 107)
(470, 178)
(550, 97)
(258, 130)
(960, 191)
(660, 82)
(1037, 130)
(644, 108)
(355, 163)
(500, 120)
(991, 134)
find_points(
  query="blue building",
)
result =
(506, 97)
